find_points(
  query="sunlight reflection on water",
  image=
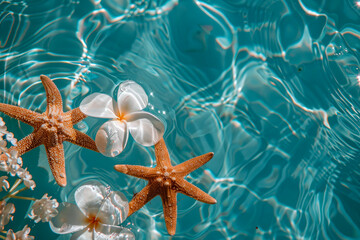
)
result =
(272, 87)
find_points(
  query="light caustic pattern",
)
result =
(271, 87)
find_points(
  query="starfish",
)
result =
(51, 128)
(166, 180)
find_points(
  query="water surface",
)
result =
(271, 87)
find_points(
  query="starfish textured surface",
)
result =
(166, 180)
(51, 128)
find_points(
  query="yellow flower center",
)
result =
(93, 222)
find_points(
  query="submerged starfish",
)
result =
(166, 180)
(51, 128)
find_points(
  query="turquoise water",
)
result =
(271, 87)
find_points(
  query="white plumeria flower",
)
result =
(127, 115)
(44, 209)
(96, 214)
(4, 184)
(19, 235)
(5, 213)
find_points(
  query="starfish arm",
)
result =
(191, 190)
(53, 96)
(168, 197)
(19, 113)
(55, 154)
(75, 115)
(162, 154)
(144, 196)
(137, 171)
(29, 142)
(190, 165)
(82, 140)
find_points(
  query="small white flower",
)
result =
(4, 184)
(10, 138)
(13, 169)
(4, 163)
(26, 177)
(44, 209)
(3, 130)
(95, 216)
(126, 116)
(5, 213)
(3, 146)
(10, 162)
(19, 235)
(13, 158)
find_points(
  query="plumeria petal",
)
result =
(112, 137)
(99, 105)
(114, 209)
(69, 219)
(85, 234)
(105, 232)
(89, 198)
(131, 97)
(145, 128)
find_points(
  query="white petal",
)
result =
(112, 137)
(105, 232)
(114, 209)
(69, 219)
(131, 97)
(99, 105)
(84, 235)
(89, 198)
(145, 128)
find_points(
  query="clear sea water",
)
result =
(271, 87)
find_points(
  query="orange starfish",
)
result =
(166, 180)
(51, 128)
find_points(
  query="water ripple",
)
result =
(272, 87)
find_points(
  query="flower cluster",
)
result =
(10, 161)
(44, 209)
(9, 136)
